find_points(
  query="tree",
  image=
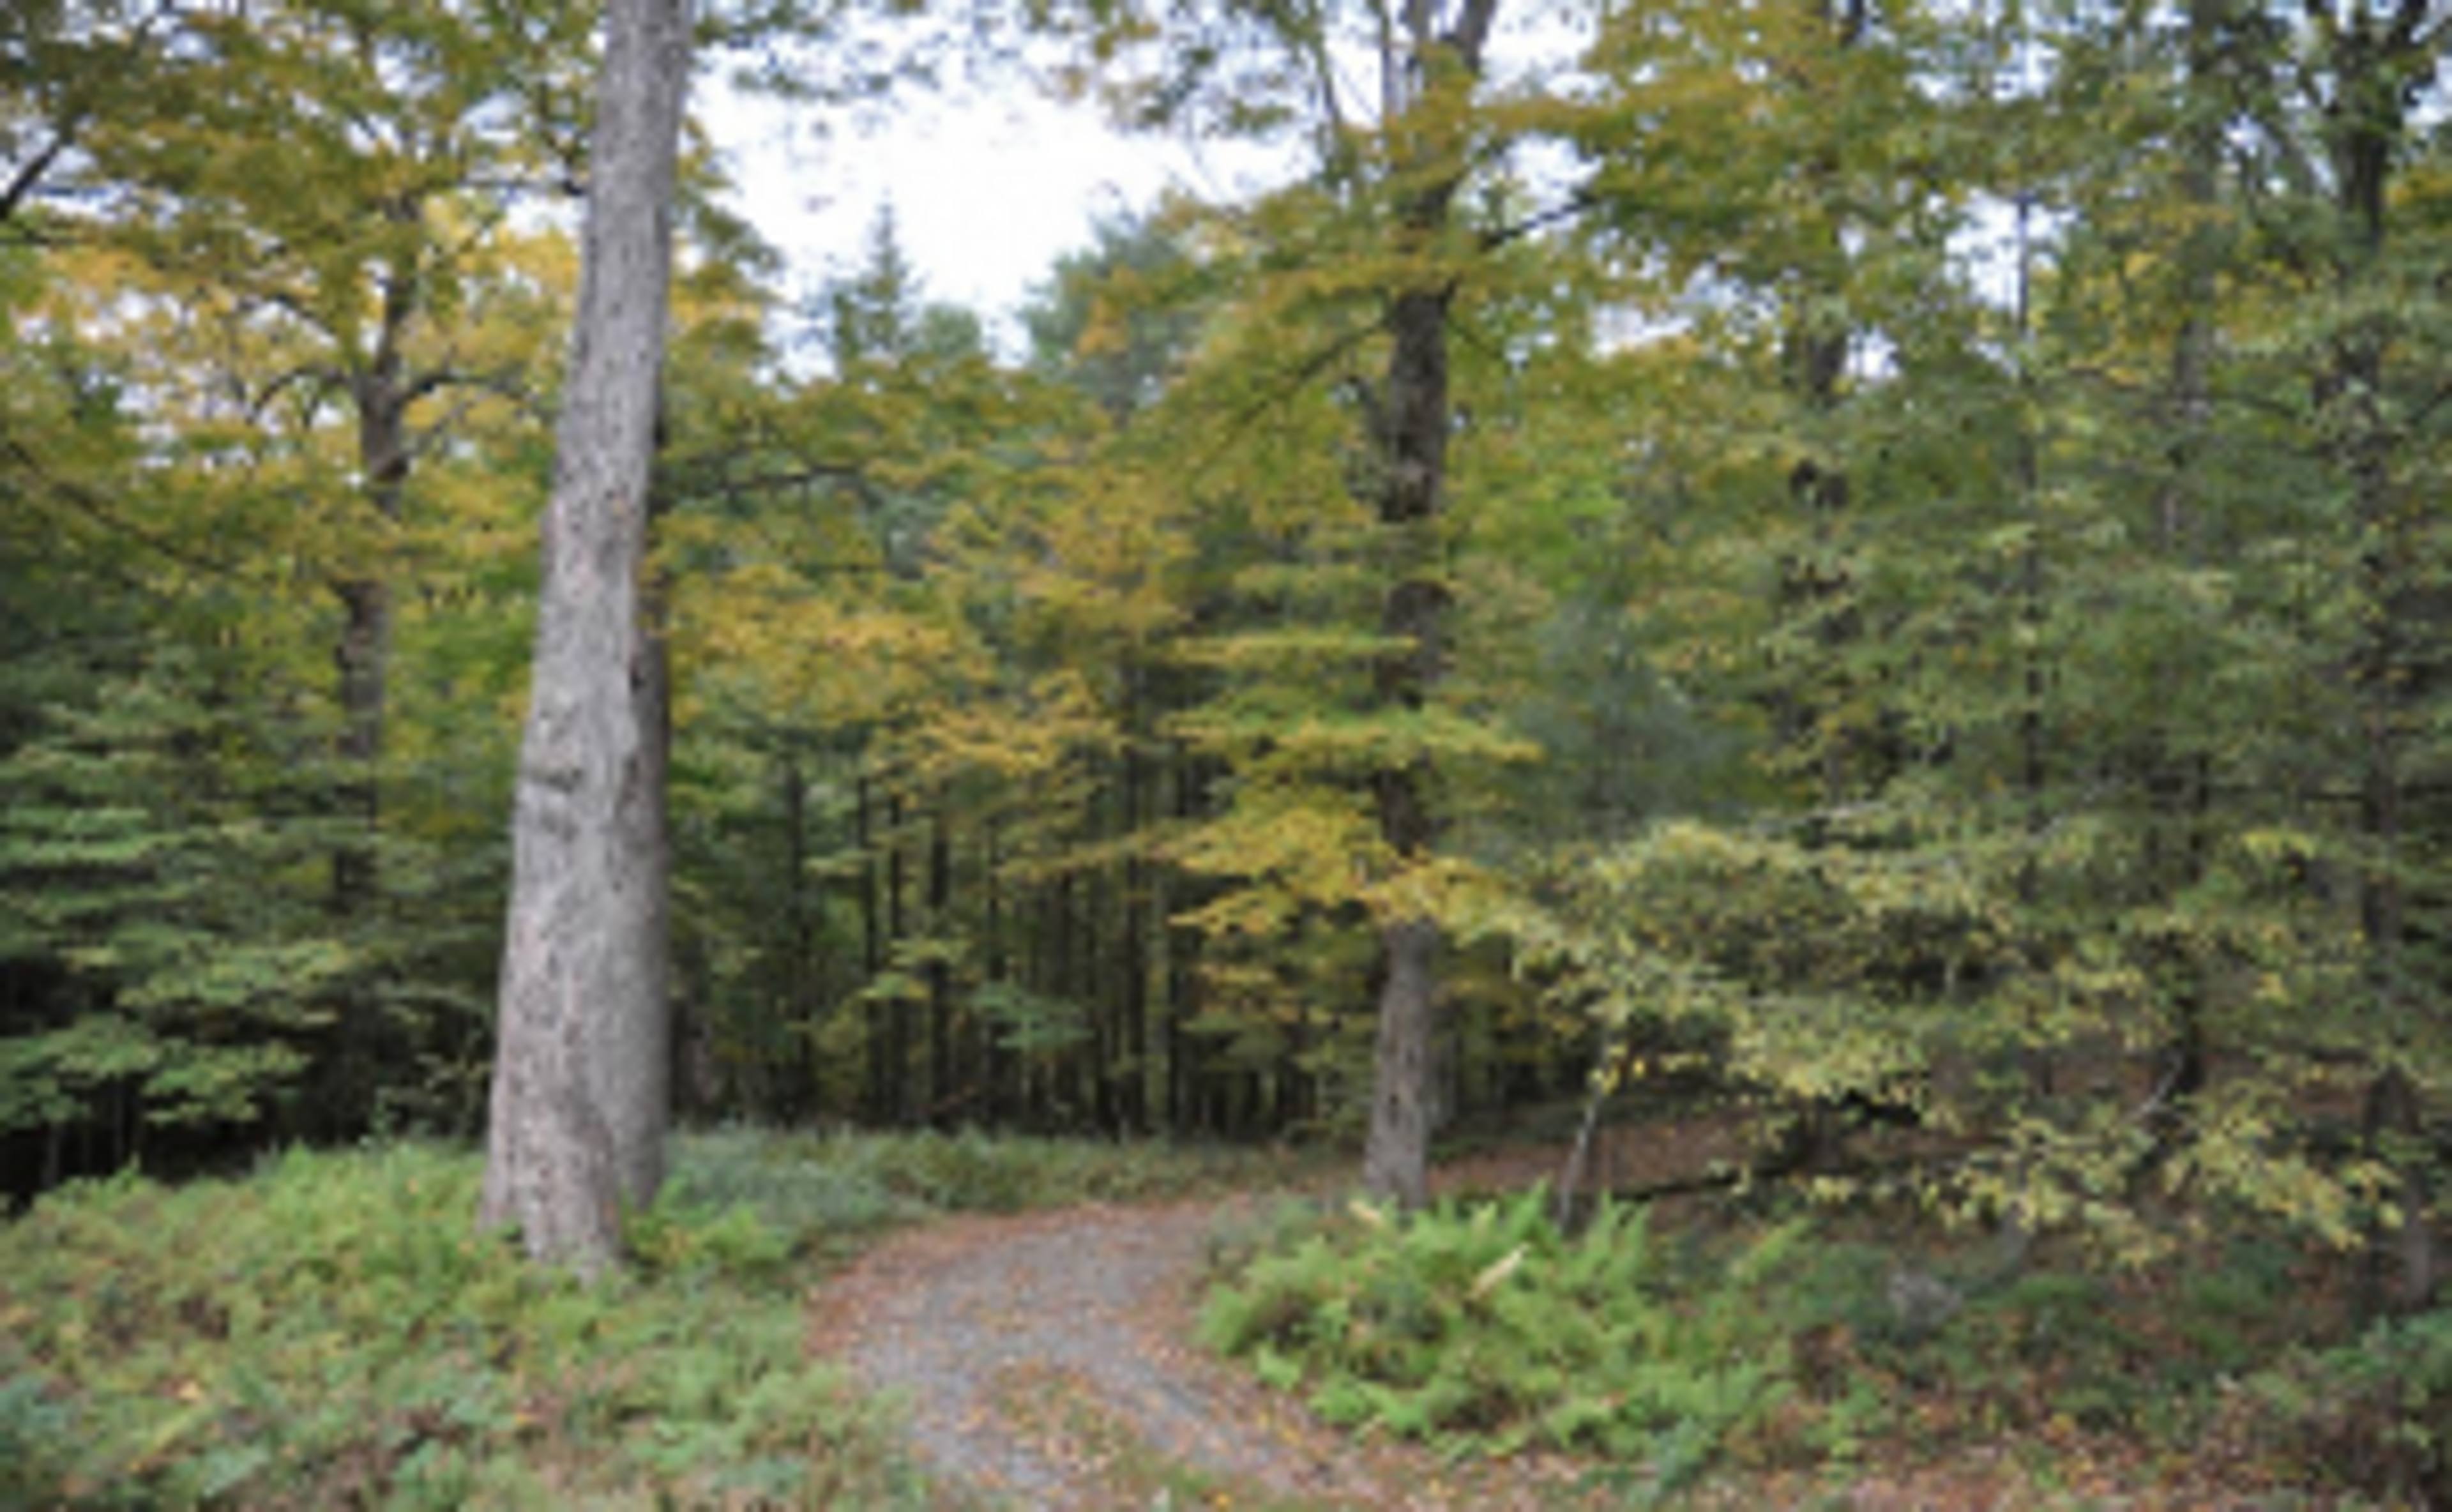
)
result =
(66, 65)
(1342, 738)
(1412, 420)
(580, 1094)
(293, 221)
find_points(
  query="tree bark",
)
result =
(944, 1098)
(1132, 948)
(582, 1076)
(894, 1084)
(1415, 424)
(872, 947)
(804, 973)
(381, 390)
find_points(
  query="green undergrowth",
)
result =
(1737, 1347)
(330, 1332)
(1481, 1330)
(2236, 1351)
(851, 1185)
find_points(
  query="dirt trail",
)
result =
(1048, 1361)
(1045, 1362)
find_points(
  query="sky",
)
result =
(987, 192)
(991, 181)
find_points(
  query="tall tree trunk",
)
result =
(1397, 1156)
(1187, 1105)
(2179, 786)
(942, 1098)
(1100, 988)
(381, 391)
(879, 1082)
(582, 1091)
(995, 1058)
(1412, 454)
(361, 661)
(894, 1088)
(1132, 948)
(803, 976)
(1819, 587)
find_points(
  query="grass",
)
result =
(330, 1330)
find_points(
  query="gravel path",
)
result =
(1046, 1361)
(1005, 1336)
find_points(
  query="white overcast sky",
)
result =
(991, 183)
(987, 193)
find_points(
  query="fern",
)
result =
(1481, 1330)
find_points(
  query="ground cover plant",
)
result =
(1742, 1351)
(328, 1330)
(1482, 1328)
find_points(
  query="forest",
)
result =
(1869, 575)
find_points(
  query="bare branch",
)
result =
(22, 184)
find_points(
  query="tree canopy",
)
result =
(1879, 557)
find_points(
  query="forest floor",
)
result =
(1048, 1360)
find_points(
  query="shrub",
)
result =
(1482, 1330)
(2376, 1413)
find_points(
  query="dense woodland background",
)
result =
(1933, 598)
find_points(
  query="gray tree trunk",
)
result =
(580, 1092)
(1412, 446)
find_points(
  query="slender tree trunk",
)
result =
(1072, 1070)
(581, 1091)
(872, 949)
(894, 1088)
(1188, 1104)
(379, 392)
(1133, 947)
(997, 1059)
(363, 1046)
(1819, 587)
(1396, 1155)
(942, 1095)
(1099, 987)
(803, 975)
(2178, 786)
(1413, 455)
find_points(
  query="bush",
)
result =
(1481, 1330)
(2376, 1413)
(332, 1332)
